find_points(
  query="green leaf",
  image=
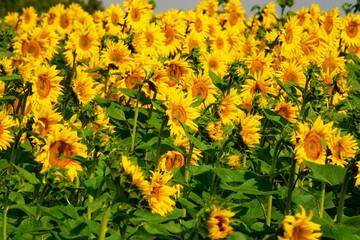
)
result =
(328, 173)
(6, 53)
(115, 112)
(8, 98)
(157, 105)
(237, 236)
(255, 7)
(132, 93)
(28, 176)
(142, 215)
(74, 229)
(275, 117)
(11, 77)
(92, 185)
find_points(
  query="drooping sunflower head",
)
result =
(28, 19)
(342, 148)
(46, 120)
(202, 85)
(300, 227)
(214, 130)
(12, 18)
(219, 223)
(84, 87)
(286, 109)
(170, 160)
(250, 128)
(115, 19)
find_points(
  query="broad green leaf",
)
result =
(237, 236)
(275, 117)
(6, 53)
(10, 77)
(29, 210)
(132, 93)
(328, 173)
(27, 175)
(74, 229)
(115, 112)
(142, 215)
(92, 185)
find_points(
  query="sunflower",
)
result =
(46, 120)
(178, 107)
(46, 85)
(31, 45)
(6, 67)
(234, 161)
(214, 130)
(357, 177)
(291, 71)
(65, 21)
(300, 227)
(52, 17)
(52, 39)
(307, 141)
(190, 42)
(117, 54)
(235, 15)
(350, 35)
(228, 111)
(6, 122)
(177, 69)
(86, 43)
(170, 160)
(342, 148)
(219, 44)
(259, 64)
(332, 61)
(198, 25)
(135, 172)
(134, 76)
(219, 223)
(290, 36)
(158, 194)
(115, 19)
(12, 18)
(58, 146)
(139, 13)
(304, 18)
(210, 7)
(184, 142)
(286, 109)
(260, 85)
(215, 62)
(248, 45)
(202, 85)
(331, 24)
(174, 28)
(250, 127)
(84, 87)
(28, 19)
(150, 40)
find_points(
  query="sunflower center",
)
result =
(179, 113)
(193, 43)
(135, 14)
(156, 191)
(233, 18)
(352, 29)
(149, 39)
(1, 130)
(115, 57)
(43, 126)
(257, 67)
(85, 43)
(328, 25)
(43, 85)
(114, 18)
(210, 10)
(174, 72)
(284, 112)
(329, 64)
(32, 48)
(288, 36)
(176, 160)
(131, 81)
(213, 64)
(290, 76)
(59, 149)
(51, 18)
(27, 17)
(169, 35)
(199, 90)
(312, 146)
(258, 88)
(220, 223)
(198, 25)
(219, 43)
(64, 21)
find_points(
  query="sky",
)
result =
(164, 5)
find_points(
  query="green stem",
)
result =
(158, 147)
(187, 164)
(14, 151)
(91, 175)
(342, 198)
(104, 222)
(5, 215)
(273, 166)
(42, 196)
(290, 186)
(322, 199)
(135, 120)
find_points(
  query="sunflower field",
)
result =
(204, 124)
